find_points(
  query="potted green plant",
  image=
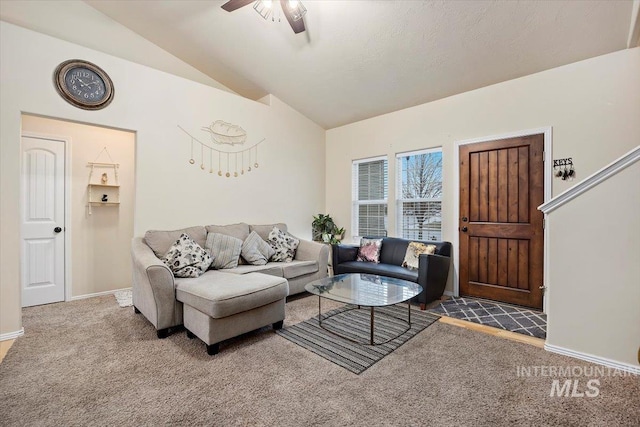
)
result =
(325, 230)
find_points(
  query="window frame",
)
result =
(355, 203)
(399, 200)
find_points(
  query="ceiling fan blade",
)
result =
(232, 5)
(297, 26)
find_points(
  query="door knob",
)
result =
(464, 229)
(465, 219)
(57, 230)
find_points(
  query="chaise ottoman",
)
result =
(218, 306)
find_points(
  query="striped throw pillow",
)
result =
(224, 249)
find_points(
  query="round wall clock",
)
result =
(83, 84)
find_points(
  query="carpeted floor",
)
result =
(90, 362)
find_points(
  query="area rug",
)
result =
(508, 317)
(355, 324)
(124, 298)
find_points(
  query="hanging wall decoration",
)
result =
(563, 168)
(104, 192)
(226, 133)
(226, 162)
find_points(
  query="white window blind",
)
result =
(419, 194)
(370, 188)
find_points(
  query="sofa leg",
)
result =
(278, 325)
(213, 349)
(135, 310)
(190, 335)
(163, 333)
(423, 306)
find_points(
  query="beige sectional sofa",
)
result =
(223, 303)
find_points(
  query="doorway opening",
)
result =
(67, 253)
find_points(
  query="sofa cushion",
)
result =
(220, 294)
(393, 250)
(160, 241)
(186, 258)
(255, 250)
(224, 249)
(264, 230)
(271, 268)
(284, 245)
(295, 269)
(369, 250)
(239, 230)
(379, 269)
(414, 250)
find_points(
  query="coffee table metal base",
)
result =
(372, 317)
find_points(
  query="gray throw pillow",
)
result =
(255, 250)
(284, 245)
(186, 258)
(224, 249)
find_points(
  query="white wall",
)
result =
(594, 276)
(56, 17)
(592, 106)
(170, 193)
(100, 243)
(594, 109)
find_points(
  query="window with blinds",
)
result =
(370, 188)
(419, 194)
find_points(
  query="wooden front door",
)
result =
(500, 227)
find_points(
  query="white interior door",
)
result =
(42, 224)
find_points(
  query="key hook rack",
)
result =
(563, 168)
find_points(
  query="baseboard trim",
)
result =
(449, 294)
(97, 294)
(593, 359)
(12, 335)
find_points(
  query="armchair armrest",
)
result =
(153, 287)
(313, 251)
(310, 251)
(343, 253)
(433, 271)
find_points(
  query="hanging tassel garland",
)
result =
(252, 156)
(191, 160)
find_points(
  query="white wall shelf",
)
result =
(104, 185)
(98, 191)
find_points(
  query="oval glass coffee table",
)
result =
(368, 290)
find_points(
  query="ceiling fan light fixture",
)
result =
(297, 9)
(263, 7)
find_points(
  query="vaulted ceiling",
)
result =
(359, 59)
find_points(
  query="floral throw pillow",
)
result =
(284, 245)
(369, 250)
(414, 250)
(186, 258)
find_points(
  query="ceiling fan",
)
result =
(293, 10)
